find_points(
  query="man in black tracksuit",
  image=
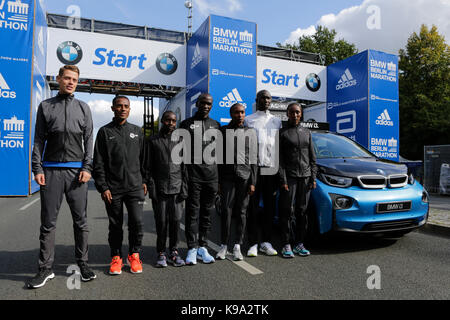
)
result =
(297, 177)
(118, 174)
(202, 182)
(167, 189)
(237, 177)
(62, 164)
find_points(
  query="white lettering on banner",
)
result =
(13, 133)
(232, 98)
(17, 15)
(5, 90)
(346, 117)
(228, 40)
(384, 148)
(384, 119)
(346, 80)
(197, 57)
(383, 70)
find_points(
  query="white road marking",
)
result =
(30, 204)
(242, 264)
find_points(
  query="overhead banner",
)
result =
(16, 36)
(107, 57)
(232, 71)
(347, 98)
(384, 105)
(292, 79)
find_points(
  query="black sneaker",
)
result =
(86, 273)
(41, 278)
(175, 259)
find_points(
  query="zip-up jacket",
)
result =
(162, 174)
(297, 157)
(118, 158)
(244, 170)
(201, 172)
(63, 133)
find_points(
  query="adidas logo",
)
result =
(197, 57)
(232, 98)
(384, 119)
(5, 90)
(346, 80)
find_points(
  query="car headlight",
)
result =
(336, 181)
(411, 179)
(341, 202)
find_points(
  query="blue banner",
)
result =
(16, 35)
(347, 97)
(197, 63)
(232, 69)
(384, 105)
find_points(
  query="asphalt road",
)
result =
(416, 266)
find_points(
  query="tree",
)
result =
(323, 42)
(424, 89)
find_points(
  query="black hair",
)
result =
(119, 97)
(234, 106)
(166, 113)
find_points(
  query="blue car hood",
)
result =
(353, 167)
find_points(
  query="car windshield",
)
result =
(329, 145)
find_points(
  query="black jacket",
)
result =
(118, 158)
(64, 127)
(297, 157)
(246, 170)
(201, 172)
(162, 174)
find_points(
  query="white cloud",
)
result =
(384, 25)
(206, 7)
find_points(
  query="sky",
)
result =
(383, 25)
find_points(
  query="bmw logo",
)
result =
(166, 63)
(69, 53)
(313, 82)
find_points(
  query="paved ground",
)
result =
(414, 267)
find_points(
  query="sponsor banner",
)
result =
(316, 113)
(291, 79)
(107, 57)
(347, 97)
(16, 35)
(384, 105)
(197, 64)
(232, 79)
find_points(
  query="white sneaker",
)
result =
(221, 255)
(237, 255)
(253, 251)
(267, 249)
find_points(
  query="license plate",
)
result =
(393, 206)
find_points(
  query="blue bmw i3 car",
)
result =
(358, 192)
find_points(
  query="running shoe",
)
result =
(161, 262)
(116, 265)
(86, 273)
(253, 251)
(222, 254)
(203, 254)
(135, 263)
(191, 257)
(286, 252)
(267, 249)
(301, 250)
(41, 278)
(237, 255)
(175, 259)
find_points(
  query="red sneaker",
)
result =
(135, 263)
(116, 266)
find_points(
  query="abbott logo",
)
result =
(5, 90)
(232, 98)
(384, 119)
(346, 80)
(197, 58)
(346, 117)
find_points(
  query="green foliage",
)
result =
(323, 42)
(424, 88)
